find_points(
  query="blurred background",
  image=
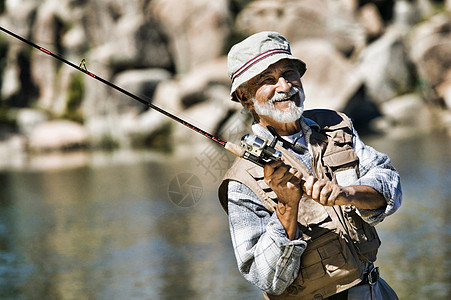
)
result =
(102, 198)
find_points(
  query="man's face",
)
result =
(278, 93)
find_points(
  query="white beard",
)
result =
(268, 108)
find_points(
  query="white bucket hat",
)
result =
(255, 54)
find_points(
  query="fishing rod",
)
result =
(251, 148)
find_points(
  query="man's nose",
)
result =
(283, 86)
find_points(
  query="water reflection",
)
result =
(415, 254)
(107, 230)
(110, 232)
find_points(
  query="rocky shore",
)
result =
(387, 64)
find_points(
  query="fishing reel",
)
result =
(261, 151)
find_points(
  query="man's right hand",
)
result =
(284, 181)
(287, 184)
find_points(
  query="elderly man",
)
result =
(303, 227)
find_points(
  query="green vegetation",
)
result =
(74, 99)
(158, 140)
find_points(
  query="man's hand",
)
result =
(287, 184)
(329, 193)
(325, 192)
(284, 181)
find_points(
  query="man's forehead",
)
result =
(284, 64)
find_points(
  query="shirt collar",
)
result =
(306, 124)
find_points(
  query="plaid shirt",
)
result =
(265, 255)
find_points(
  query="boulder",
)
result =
(207, 116)
(404, 116)
(57, 135)
(195, 84)
(167, 96)
(406, 15)
(385, 68)
(28, 119)
(371, 20)
(12, 152)
(444, 90)
(138, 131)
(197, 30)
(297, 20)
(430, 50)
(406, 110)
(135, 42)
(142, 83)
(330, 80)
(44, 68)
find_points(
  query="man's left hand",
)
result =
(325, 192)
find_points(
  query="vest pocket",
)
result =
(328, 266)
(326, 255)
(364, 236)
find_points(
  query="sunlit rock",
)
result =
(430, 49)
(385, 67)
(58, 135)
(298, 20)
(330, 80)
(197, 30)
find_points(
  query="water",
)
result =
(107, 227)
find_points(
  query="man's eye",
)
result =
(268, 80)
(289, 74)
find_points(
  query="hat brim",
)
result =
(261, 66)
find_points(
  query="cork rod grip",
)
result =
(235, 149)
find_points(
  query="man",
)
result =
(303, 227)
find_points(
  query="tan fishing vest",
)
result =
(339, 242)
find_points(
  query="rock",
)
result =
(104, 131)
(430, 50)
(206, 115)
(75, 39)
(12, 152)
(307, 19)
(371, 20)
(195, 84)
(11, 80)
(140, 42)
(43, 67)
(133, 131)
(385, 67)
(444, 90)
(58, 135)
(167, 96)
(27, 119)
(330, 80)
(406, 15)
(404, 116)
(142, 83)
(405, 110)
(197, 30)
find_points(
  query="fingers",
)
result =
(278, 173)
(322, 191)
(271, 167)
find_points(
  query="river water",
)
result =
(148, 225)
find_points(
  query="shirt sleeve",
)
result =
(264, 254)
(377, 172)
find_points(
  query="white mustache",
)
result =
(268, 108)
(278, 97)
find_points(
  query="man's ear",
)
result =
(244, 98)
